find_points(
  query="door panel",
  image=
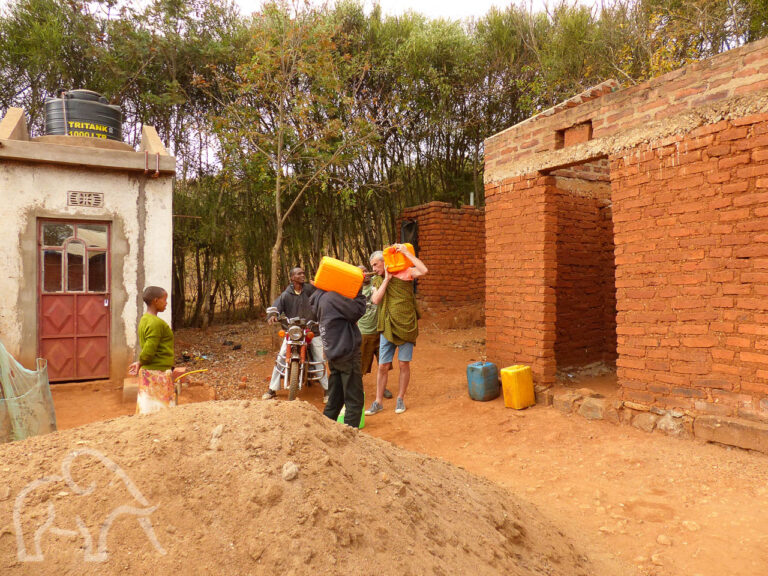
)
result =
(58, 316)
(92, 358)
(60, 353)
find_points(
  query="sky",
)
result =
(452, 9)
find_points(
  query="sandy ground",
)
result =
(645, 503)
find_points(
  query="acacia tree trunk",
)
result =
(274, 289)
(205, 307)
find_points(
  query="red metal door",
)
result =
(74, 297)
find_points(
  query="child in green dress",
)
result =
(155, 363)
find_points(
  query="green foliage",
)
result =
(305, 129)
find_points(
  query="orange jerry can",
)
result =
(395, 261)
(337, 276)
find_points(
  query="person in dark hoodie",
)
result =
(338, 316)
(294, 302)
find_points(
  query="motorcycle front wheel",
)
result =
(293, 381)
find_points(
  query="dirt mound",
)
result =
(257, 488)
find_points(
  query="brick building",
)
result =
(632, 225)
(451, 244)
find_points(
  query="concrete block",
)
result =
(732, 431)
(13, 126)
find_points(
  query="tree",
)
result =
(290, 106)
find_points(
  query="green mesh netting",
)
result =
(26, 405)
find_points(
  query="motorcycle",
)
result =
(296, 369)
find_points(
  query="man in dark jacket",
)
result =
(294, 302)
(338, 318)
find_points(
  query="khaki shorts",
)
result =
(368, 349)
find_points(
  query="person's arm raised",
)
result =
(419, 268)
(378, 293)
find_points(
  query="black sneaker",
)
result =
(387, 394)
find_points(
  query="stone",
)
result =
(5, 493)
(588, 393)
(565, 402)
(256, 548)
(636, 406)
(671, 426)
(215, 443)
(543, 395)
(691, 525)
(613, 411)
(656, 560)
(688, 425)
(645, 421)
(664, 540)
(625, 416)
(732, 431)
(593, 408)
(290, 471)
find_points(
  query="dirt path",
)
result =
(650, 504)
(82, 403)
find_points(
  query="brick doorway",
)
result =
(585, 331)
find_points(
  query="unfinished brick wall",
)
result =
(520, 274)
(612, 112)
(452, 246)
(550, 295)
(691, 231)
(688, 157)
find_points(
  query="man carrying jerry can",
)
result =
(398, 321)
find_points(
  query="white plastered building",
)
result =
(85, 226)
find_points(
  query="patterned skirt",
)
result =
(155, 391)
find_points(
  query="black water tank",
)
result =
(82, 113)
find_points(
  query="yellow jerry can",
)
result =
(517, 384)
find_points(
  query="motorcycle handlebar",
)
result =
(285, 321)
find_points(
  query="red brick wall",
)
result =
(521, 228)
(691, 233)
(452, 246)
(586, 304)
(613, 112)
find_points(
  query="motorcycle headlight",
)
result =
(295, 333)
